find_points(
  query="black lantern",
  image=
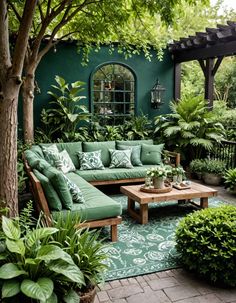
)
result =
(157, 93)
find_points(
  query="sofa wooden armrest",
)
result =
(42, 206)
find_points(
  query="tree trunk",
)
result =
(28, 106)
(8, 146)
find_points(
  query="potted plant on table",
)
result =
(158, 175)
(177, 174)
(230, 180)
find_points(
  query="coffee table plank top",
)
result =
(196, 191)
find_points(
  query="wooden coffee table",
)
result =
(135, 195)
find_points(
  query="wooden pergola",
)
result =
(208, 48)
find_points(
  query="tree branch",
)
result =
(40, 11)
(23, 37)
(15, 10)
(4, 40)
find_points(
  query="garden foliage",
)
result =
(206, 241)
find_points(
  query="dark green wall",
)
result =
(66, 62)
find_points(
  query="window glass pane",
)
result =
(113, 93)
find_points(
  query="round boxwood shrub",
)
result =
(206, 241)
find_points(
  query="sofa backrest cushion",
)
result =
(133, 142)
(151, 154)
(104, 146)
(135, 153)
(37, 150)
(32, 158)
(51, 195)
(72, 148)
(59, 183)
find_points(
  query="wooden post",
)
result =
(209, 81)
(177, 81)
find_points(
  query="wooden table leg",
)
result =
(131, 204)
(144, 213)
(204, 202)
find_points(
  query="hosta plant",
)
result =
(206, 241)
(35, 270)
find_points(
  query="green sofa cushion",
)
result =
(37, 150)
(32, 158)
(114, 173)
(59, 183)
(97, 208)
(133, 142)
(52, 197)
(103, 146)
(135, 153)
(72, 148)
(120, 158)
(151, 154)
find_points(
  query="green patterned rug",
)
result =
(144, 249)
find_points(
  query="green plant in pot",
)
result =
(33, 269)
(86, 250)
(158, 175)
(177, 174)
(206, 242)
(196, 167)
(230, 179)
(213, 170)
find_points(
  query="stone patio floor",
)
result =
(176, 285)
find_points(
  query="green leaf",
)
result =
(10, 228)
(70, 271)
(60, 81)
(53, 252)
(16, 246)
(40, 290)
(10, 288)
(71, 297)
(38, 234)
(10, 270)
(52, 299)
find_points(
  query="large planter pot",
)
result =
(88, 297)
(211, 179)
(158, 183)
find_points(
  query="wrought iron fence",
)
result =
(226, 151)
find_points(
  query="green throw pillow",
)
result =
(76, 193)
(54, 202)
(104, 146)
(135, 153)
(151, 154)
(63, 162)
(50, 152)
(59, 183)
(120, 158)
(90, 160)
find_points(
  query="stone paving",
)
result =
(176, 285)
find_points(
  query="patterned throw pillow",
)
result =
(135, 154)
(90, 160)
(120, 158)
(63, 162)
(75, 192)
(49, 152)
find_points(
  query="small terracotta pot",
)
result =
(88, 297)
(158, 183)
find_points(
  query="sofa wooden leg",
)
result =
(114, 236)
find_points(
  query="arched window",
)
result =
(113, 93)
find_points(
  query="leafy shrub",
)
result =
(206, 241)
(213, 166)
(230, 179)
(196, 165)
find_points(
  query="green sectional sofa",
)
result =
(50, 183)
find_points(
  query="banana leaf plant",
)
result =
(67, 112)
(190, 128)
(34, 269)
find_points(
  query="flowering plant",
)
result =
(161, 171)
(178, 171)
